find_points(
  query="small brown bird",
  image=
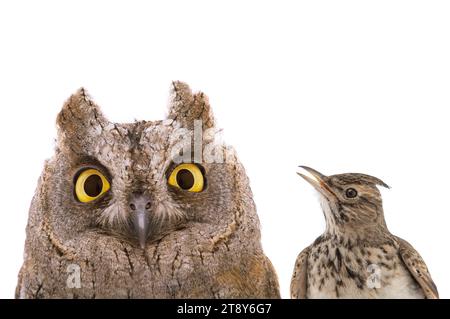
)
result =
(357, 256)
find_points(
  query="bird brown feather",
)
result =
(418, 269)
(300, 275)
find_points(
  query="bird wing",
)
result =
(417, 268)
(300, 275)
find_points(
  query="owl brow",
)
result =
(95, 165)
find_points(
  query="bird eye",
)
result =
(188, 177)
(351, 193)
(90, 185)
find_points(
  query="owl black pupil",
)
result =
(185, 179)
(93, 185)
(351, 193)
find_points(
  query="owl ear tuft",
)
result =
(185, 107)
(80, 117)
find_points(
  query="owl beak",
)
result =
(141, 225)
(140, 205)
(318, 181)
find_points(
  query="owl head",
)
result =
(142, 181)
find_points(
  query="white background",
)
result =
(341, 86)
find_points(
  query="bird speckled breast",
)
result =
(358, 271)
(357, 256)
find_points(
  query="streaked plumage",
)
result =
(140, 235)
(357, 256)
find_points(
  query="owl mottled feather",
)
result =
(200, 245)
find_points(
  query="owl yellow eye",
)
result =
(188, 177)
(90, 185)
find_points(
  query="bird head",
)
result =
(348, 200)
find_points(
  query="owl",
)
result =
(150, 209)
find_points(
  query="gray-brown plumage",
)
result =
(129, 231)
(357, 256)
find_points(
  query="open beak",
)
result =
(318, 181)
